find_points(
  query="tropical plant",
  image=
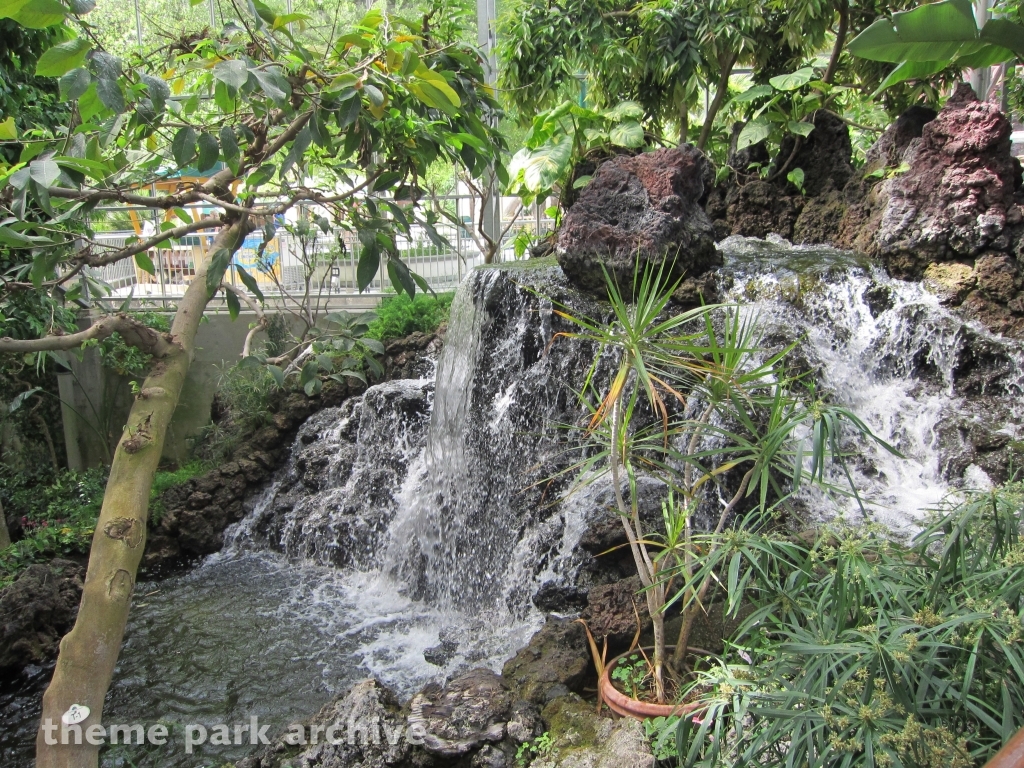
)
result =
(561, 138)
(858, 651)
(935, 37)
(695, 402)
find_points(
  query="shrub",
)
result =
(862, 652)
(57, 511)
(399, 316)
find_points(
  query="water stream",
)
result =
(424, 510)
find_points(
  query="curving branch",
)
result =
(145, 245)
(135, 333)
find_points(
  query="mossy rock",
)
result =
(581, 738)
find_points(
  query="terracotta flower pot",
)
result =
(623, 705)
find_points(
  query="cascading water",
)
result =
(944, 392)
(433, 508)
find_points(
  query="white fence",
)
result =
(327, 268)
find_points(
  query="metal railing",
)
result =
(289, 266)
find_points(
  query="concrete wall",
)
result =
(97, 400)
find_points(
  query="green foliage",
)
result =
(125, 359)
(936, 36)
(632, 674)
(57, 510)
(861, 652)
(399, 316)
(164, 480)
(745, 442)
(560, 138)
(531, 750)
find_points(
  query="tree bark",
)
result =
(837, 49)
(716, 104)
(684, 122)
(89, 652)
(5, 535)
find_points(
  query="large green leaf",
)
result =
(62, 58)
(542, 167)
(912, 70)
(231, 72)
(209, 150)
(627, 134)
(1004, 33)
(183, 147)
(793, 80)
(931, 32)
(753, 132)
(34, 14)
(625, 109)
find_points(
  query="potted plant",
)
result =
(695, 402)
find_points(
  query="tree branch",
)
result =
(135, 333)
(145, 245)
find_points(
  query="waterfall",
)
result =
(447, 489)
(945, 392)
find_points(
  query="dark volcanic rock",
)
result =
(612, 611)
(758, 208)
(824, 155)
(638, 211)
(36, 612)
(954, 200)
(555, 662)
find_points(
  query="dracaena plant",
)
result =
(251, 121)
(696, 402)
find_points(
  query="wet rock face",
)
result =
(612, 611)
(555, 662)
(954, 200)
(638, 211)
(36, 612)
(340, 491)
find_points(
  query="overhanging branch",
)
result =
(135, 333)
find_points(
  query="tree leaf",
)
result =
(219, 261)
(753, 132)
(8, 130)
(231, 72)
(544, 166)
(234, 307)
(273, 84)
(277, 374)
(145, 263)
(623, 110)
(110, 94)
(369, 263)
(250, 282)
(229, 148)
(801, 128)
(931, 32)
(627, 134)
(44, 172)
(63, 57)
(159, 91)
(793, 80)
(183, 147)
(209, 151)
(36, 14)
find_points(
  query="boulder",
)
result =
(580, 738)
(555, 662)
(612, 611)
(957, 198)
(470, 711)
(362, 729)
(638, 212)
(825, 155)
(36, 611)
